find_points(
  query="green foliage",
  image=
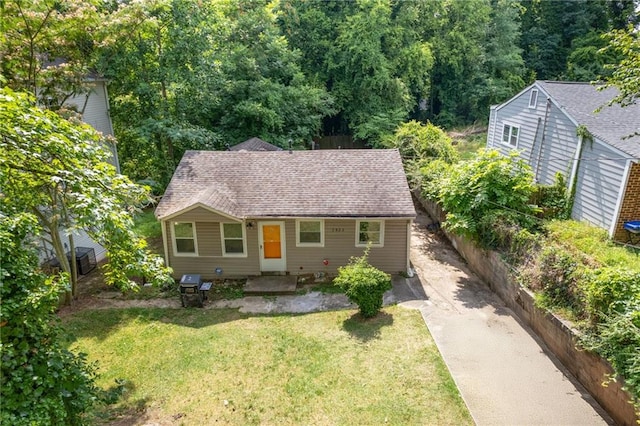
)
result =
(363, 284)
(554, 200)
(617, 339)
(578, 271)
(58, 171)
(41, 381)
(626, 72)
(417, 141)
(430, 176)
(486, 193)
(610, 291)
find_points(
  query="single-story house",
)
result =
(228, 213)
(570, 128)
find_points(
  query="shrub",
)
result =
(363, 284)
(488, 188)
(416, 141)
(611, 290)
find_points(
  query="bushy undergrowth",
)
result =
(577, 271)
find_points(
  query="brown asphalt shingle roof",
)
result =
(327, 183)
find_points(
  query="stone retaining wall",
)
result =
(559, 336)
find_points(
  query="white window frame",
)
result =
(510, 135)
(533, 98)
(365, 244)
(302, 244)
(244, 240)
(174, 239)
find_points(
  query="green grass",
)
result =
(196, 366)
(593, 242)
(146, 225)
(467, 142)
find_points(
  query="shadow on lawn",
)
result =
(101, 323)
(365, 329)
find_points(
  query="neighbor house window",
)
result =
(510, 135)
(184, 239)
(369, 232)
(533, 98)
(310, 233)
(233, 239)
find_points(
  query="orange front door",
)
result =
(271, 241)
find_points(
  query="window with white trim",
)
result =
(510, 135)
(233, 239)
(184, 239)
(369, 232)
(533, 98)
(309, 233)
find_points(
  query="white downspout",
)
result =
(621, 192)
(409, 271)
(576, 162)
(163, 225)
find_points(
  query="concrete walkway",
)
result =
(505, 375)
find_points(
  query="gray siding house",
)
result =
(93, 107)
(241, 213)
(546, 124)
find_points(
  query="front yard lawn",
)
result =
(195, 366)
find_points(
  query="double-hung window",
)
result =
(184, 239)
(309, 233)
(369, 232)
(233, 239)
(510, 135)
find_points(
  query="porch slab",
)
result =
(271, 284)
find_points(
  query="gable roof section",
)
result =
(612, 124)
(327, 183)
(255, 144)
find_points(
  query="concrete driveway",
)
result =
(505, 374)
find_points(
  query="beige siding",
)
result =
(340, 235)
(339, 246)
(200, 214)
(210, 254)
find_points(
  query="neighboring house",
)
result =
(555, 128)
(93, 106)
(255, 144)
(244, 213)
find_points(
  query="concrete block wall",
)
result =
(559, 335)
(630, 209)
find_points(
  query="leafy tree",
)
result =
(626, 73)
(363, 284)
(41, 382)
(485, 193)
(370, 57)
(47, 46)
(57, 170)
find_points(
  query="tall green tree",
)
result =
(369, 56)
(47, 47)
(57, 170)
(196, 75)
(40, 381)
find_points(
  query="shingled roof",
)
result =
(327, 183)
(613, 124)
(255, 144)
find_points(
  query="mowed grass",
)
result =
(198, 367)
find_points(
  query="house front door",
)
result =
(272, 247)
